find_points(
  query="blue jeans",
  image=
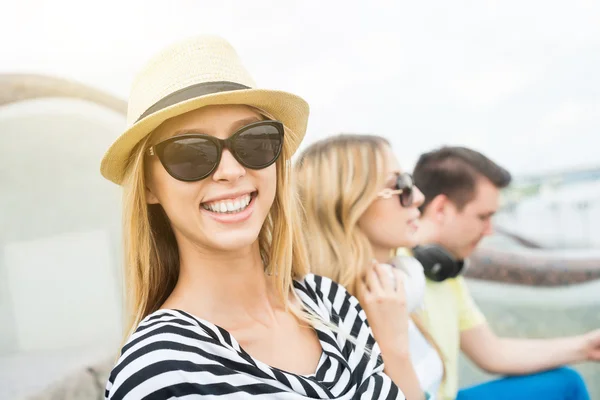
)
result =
(558, 384)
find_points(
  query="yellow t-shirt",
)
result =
(448, 310)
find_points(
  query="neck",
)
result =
(382, 254)
(428, 232)
(225, 288)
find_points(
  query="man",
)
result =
(462, 190)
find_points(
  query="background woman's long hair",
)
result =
(151, 251)
(338, 178)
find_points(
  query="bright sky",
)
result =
(517, 80)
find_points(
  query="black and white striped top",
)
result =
(175, 355)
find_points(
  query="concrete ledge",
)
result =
(535, 267)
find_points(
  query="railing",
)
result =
(556, 224)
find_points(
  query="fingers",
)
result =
(372, 281)
(596, 337)
(386, 276)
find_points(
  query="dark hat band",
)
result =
(190, 92)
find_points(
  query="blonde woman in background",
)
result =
(359, 207)
(220, 302)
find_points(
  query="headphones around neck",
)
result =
(438, 263)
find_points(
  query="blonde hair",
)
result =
(338, 178)
(151, 251)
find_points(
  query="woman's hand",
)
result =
(381, 294)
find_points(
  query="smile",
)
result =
(229, 206)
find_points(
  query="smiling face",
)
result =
(226, 210)
(386, 223)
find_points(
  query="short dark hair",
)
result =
(454, 171)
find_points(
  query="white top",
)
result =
(425, 360)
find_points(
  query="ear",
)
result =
(439, 207)
(151, 197)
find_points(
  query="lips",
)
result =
(413, 223)
(241, 209)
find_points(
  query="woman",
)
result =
(219, 299)
(358, 207)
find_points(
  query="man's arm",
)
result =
(507, 356)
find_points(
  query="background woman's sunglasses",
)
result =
(194, 156)
(404, 188)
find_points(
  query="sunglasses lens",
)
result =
(259, 146)
(190, 159)
(406, 184)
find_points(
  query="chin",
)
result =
(234, 241)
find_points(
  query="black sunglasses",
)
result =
(194, 156)
(404, 188)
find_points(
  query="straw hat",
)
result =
(191, 74)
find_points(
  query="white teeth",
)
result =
(228, 206)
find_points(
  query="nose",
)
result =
(418, 197)
(229, 169)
